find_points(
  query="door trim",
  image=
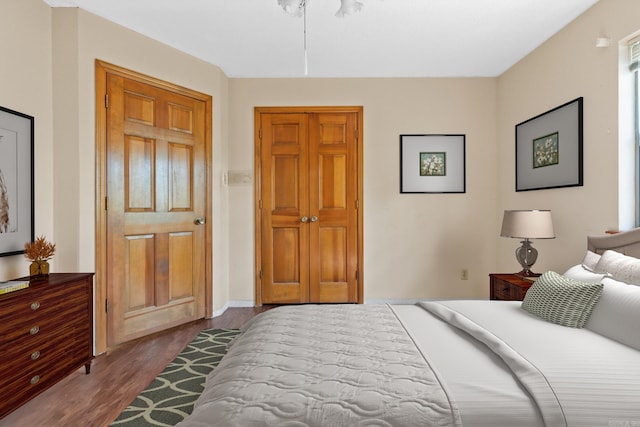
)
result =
(102, 69)
(359, 110)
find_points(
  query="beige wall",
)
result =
(566, 67)
(101, 39)
(26, 86)
(52, 78)
(415, 244)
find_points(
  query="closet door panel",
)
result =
(284, 180)
(333, 198)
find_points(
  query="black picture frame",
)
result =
(549, 149)
(16, 181)
(432, 163)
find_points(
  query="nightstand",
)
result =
(509, 287)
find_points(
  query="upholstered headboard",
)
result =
(626, 242)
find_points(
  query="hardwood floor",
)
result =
(116, 377)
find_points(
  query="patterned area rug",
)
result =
(170, 397)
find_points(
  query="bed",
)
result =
(569, 355)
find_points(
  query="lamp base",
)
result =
(526, 256)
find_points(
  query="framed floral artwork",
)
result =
(549, 149)
(432, 164)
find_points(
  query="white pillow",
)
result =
(580, 273)
(590, 260)
(622, 267)
(617, 313)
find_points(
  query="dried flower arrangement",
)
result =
(39, 250)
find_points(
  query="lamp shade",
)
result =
(532, 224)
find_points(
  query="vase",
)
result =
(39, 269)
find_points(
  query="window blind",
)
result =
(634, 55)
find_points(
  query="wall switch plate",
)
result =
(240, 177)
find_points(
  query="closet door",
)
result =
(284, 208)
(307, 207)
(333, 207)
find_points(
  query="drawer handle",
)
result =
(35, 379)
(35, 305)
(35, 355)
(34, 330)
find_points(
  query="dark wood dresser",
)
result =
(46, 333)
(509, 287)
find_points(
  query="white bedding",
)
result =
(493, 365)
(595, 380)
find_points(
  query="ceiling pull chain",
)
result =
(304, 16)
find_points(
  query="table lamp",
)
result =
(527, 224)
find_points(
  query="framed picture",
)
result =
(432, 164)
(16, 181)
(549, 149)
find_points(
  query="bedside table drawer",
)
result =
(501, 290)
(508, 287)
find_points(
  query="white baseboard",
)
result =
(220, 311)
(233, 303)
(242, 303)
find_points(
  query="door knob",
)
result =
(314, 218)
(304, 219)
(200, 221)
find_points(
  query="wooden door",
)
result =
(308, 194)
(156, 205)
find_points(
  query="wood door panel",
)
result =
(180, 118)
(181, 266)
(333, 255)
(333, 130)
(139, 108)
(139, 186)
(180, 172)
(285, 182)
(140, 273)
(286, 259)
(333, 179)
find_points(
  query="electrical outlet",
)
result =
(464, 274)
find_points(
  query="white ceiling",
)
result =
(387, 38)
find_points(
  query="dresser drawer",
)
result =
(45, 323)
(29, 303)
(35, 356)
(30, 384)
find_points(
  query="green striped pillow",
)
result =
(562, 300)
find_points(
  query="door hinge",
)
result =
(357, 204)
(106, 305)
(106, 203)
(357, 275)
(260, 203)
(260, 274)
(106, 101)
(260, 134)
